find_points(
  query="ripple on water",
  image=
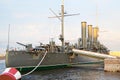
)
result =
(69, 74)
(73, 74)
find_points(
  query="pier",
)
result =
(112, 65)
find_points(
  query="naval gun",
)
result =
(28, 46)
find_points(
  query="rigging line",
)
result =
(55, 14)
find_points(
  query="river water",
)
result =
(78, 73)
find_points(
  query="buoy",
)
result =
(10, 74)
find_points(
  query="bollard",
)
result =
(10, 74)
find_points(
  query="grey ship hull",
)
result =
(21, 59)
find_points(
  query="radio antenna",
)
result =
(96, 13)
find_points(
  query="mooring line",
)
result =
(36, 66)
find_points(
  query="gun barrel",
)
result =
(21, 44)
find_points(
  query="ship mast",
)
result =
(8, 37)
(62, 24)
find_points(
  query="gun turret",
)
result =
(28, 47)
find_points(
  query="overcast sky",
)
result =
(29, 22)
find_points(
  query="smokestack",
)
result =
(90, 35)
(95, 34)
(83, 33)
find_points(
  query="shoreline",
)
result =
(2, 57)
